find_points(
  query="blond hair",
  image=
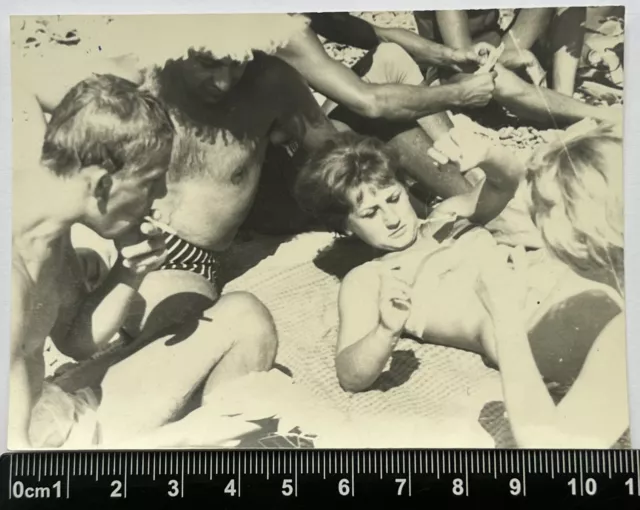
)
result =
(576, 187)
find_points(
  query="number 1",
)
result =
(629, 484)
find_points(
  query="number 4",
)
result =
(231, 488)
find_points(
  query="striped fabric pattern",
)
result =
(183, 255)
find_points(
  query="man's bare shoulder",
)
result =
(276, 74)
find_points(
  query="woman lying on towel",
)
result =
(423, 281)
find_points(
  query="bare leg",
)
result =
(392, 64)
(546, 106)
(149, 388)
(411, 147)
(567, 38)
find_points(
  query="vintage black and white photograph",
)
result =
(319, 230)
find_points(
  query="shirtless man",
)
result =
(91, 170)
(384, 94)
(227, 108)
(120, 172)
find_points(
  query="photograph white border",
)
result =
(631, 133)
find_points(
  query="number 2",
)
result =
(117, 487)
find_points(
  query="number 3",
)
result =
(173, 488)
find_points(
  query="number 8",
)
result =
(458, 487)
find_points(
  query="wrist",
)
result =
(388, 335)
(456, 95)
(127, 276)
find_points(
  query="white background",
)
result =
(632, 130)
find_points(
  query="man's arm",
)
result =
(345, 28)
(390, 101)
(426, 52)
(21, 388)
(300, 122)
(503, 171)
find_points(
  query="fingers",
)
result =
(150, 230)
(446, 146)
(146, 247)
(439, 158)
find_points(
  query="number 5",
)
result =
(287, 488)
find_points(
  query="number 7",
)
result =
(400, 482)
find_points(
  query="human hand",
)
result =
(517, 59)
(461, 147)
(474, 90)
(394, 302)
(461, 60)
(142, 249)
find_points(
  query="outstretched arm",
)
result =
(345, 28)
(502, 169)
(390, 101)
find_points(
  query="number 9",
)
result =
(515, 486)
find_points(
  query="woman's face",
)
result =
(383, 217)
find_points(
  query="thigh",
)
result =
(151, 386)
(167, 298)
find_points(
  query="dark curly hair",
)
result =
(344, 163)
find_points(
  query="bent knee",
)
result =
(395, 54)
(251, 318)
(398, 65)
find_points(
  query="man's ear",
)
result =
(100, 185)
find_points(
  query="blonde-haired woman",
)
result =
(563, 367)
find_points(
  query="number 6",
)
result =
(343, 487)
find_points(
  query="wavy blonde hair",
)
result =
(576, 187)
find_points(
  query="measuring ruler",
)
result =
(293, 478)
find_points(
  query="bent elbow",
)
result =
(370, 104)
(349, 381)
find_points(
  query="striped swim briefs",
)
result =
(184, 256)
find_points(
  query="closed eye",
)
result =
(393, 198)
(369, 213)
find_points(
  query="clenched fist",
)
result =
(474, 90)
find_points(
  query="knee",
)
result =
(254, 325)
(400, 66)
(395, 55)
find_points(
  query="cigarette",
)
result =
(160, 225)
